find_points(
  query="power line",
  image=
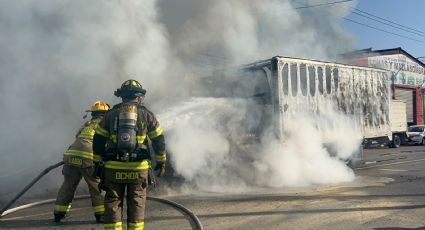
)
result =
(322, 4)
(369, 26)
(410, 28)
(388, 24)
(372, 27)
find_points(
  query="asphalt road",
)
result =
(388, 193)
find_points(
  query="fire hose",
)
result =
(47, 170)
(195, 223)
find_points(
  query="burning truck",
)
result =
(280, 87)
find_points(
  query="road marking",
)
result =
(395, 163)
(394, 170)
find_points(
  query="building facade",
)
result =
(407, 76)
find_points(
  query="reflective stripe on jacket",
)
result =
(147, 125)
(82, 148)
(137, 165)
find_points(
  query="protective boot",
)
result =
(59, 217)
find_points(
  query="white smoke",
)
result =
(314, 149)
(223, 33)
(217, 34)
(206, 152)
(58, 57)
(199, 134)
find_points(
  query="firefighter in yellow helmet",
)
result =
(121, 139)
(79, 162)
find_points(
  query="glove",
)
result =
(98, 174)
(98, 170)
(161, 168)
(101, 186)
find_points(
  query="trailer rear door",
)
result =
(407, 96)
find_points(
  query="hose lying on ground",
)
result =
(33, 204)
(47, 170)
(195, 223)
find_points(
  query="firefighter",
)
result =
(79, 162)
(121, 139)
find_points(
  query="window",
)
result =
(294, 79)
(303, 79)
(320, 77)
(418, 129)
(336, 79)
(285, 79)
(312, 80)
(328, 80)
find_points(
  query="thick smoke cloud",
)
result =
(58, 57)
(218, 34)
(212, 151)
(226, 33)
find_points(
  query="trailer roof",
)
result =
(267, 61)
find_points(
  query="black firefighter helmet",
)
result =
(130, 89)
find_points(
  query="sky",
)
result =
(408, 13)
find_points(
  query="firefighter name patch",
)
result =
(128, 109)
(75, 161)
(126, 175)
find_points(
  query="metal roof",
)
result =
(371, 53)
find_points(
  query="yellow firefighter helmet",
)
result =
(99, 106)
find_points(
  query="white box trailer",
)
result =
(285, 84)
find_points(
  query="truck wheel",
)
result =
(396, 141)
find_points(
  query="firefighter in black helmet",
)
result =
(121, 139)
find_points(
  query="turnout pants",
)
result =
(117, 182)
(72, 177)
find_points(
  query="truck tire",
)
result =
(396, 141)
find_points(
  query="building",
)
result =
(407, 76)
